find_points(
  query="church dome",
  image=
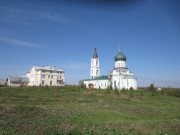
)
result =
(120, 56)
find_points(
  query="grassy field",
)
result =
(72, 110)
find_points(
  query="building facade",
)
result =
(119, 78)
(95, 69)
(46, 76)
(17, 81)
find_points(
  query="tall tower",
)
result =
(95, 69)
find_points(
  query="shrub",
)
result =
(108, 90)
(131, 93)
(152, 89)
(116, 91)
(83, 86)
(123, 90)
(131, 88)
(173, 92)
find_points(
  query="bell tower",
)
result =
(95, 69)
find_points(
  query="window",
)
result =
(43, 76)
(48, 76)
(97, 63)
(42, 82)
(96, 72)
(115, 84)
(50, 82)
(43, 71)
(51, 76)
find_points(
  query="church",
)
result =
(119, 78)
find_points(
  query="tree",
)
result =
(152, 88)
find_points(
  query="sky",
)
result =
(64, 33)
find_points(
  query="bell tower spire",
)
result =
(95, 68)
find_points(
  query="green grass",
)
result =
(72, 110)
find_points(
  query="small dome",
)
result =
(120, 56)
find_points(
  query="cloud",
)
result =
(53, 17)
(75, 66)
(16, 42)
(23, 16)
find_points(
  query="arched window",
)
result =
(50, 82)
(97, 72)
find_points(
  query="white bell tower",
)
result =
(95, 69)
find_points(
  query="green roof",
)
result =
(99, 78)
(120, 56)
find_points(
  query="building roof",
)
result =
(19, 79)
(120, 56)
(49, 68)
(98, 78)
(95, 56)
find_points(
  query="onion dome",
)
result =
(120, 56)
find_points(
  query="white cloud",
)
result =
(53, 17)
(16, 42)
(14, 15)
(75, 66)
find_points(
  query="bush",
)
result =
(152, 89)
(83, 86)
(173, 92)
(116, 91)
(108, 90)
(123, 90)
(131, 93)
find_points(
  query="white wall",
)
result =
(98, 84)
(120, 64)
(95, 69)
(45, 77)
(120, 81)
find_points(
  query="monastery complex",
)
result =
(119, 78)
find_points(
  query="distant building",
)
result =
(2, 82)
(17, 81)
(119, 78)
(46, 75)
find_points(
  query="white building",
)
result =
(119, 78)
(95, 69)
(17, 81)
(45, 76)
